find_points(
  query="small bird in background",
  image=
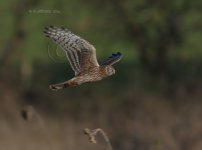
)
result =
(82, 58)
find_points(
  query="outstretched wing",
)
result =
(80, 53)
(114, 58)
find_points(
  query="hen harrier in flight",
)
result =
(82, 58)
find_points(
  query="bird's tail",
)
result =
(63, 85)
(59, 86)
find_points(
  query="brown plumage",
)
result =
(82, 58)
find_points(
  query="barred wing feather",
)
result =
(81, 54)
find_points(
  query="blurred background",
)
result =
(153, 102)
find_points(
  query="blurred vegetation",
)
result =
(160, 74)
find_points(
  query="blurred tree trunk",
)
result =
(16, 41)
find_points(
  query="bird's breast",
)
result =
(92, 75)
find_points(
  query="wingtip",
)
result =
(45, 31)
(63, 28)
(47, 35)
(119, 53)
(116, 54)
(115, 57)
(51, 26)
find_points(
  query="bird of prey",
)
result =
(82, 58)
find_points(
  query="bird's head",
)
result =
(114, 58)
(109, 70)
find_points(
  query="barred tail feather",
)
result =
(63, 85)
(59, 86)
